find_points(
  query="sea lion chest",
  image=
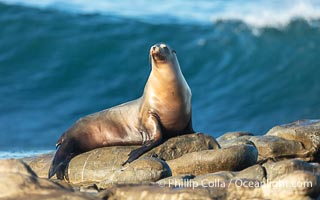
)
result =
(170, 99)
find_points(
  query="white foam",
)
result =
(21, 154)
(257, 13)
(271, 13)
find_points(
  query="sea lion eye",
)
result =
(174, 51)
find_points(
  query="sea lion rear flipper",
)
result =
(61, 159)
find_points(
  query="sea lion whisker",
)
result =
(150, 62)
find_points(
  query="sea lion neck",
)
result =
(166, 70)
(165, 79)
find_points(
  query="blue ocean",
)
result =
(251, 65)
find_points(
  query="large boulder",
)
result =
(305, 131)
(255, 172)
(234, 158)
(277, 169)
(275, 148)
(177, 146)
(18, 181)
(115, 156)
(294, 185)
(40, 164)
(140, 171)
(100, 164)
(156, 192)
(232, 135)
(225, 190)
(269, 147)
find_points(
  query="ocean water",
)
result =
(250, 65)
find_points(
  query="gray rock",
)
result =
(272, 147)
(176, 181)
(269, 147)
(177, 146)
(234, 138)
(305, 131)
(255, 172)
(277, 169)
(18, 181)
(284, 187)
(155, 192)
(40, 164)
(242, 140)
(227, 190)
(232, 135)
(234, 158)
(141, 171)
(295, 185)
(96, 165)
(99, 164)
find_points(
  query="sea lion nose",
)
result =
(159, 47)
(163, 45)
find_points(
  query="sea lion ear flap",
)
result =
(58, 145)
(174, 51)
(61, 139)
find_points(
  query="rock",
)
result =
(269, 147)
(18, 181)
(234, 138)
(176, 181)
(227, 190)
(305, 131)
(40, 164)
(99, 164)
(243, 189)
(234, 158)
(295, 185)
(289, 186)
(277, 169)
(216, 178)
(289, 179)
(255, 172)
(242, 140)
(177, 146)
(15, 166)
(140, 171)
(95, 165)
(272, 147)
(232, 135)
(155, 192)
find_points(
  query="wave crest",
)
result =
(254, 13)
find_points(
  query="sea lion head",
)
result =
(162, 54)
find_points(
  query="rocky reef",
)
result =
(282, 164)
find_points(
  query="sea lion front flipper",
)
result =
(134, 154)
(153, 127)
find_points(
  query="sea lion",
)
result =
(163, 111)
